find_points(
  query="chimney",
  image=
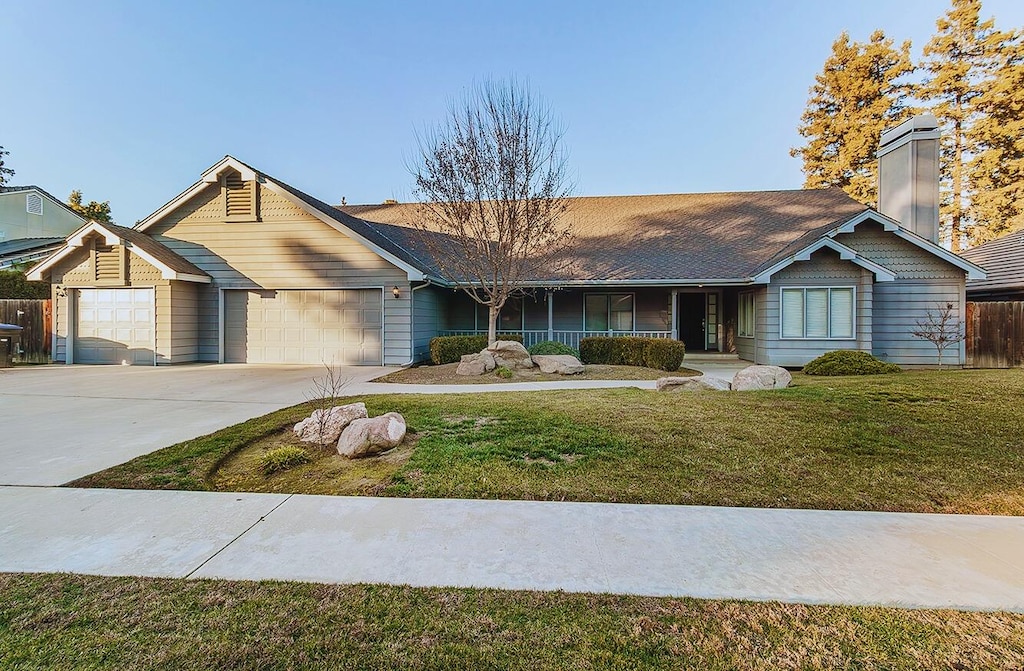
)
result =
(908, 175)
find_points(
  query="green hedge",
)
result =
(450, 349)
(14, 285)
(660, 353)
(849, 362)
(553, 347)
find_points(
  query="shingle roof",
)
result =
(705, 236)
(1003, 259)
(159, 252)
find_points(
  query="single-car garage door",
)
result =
(114, 326)
(303, 326)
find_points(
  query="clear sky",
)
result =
(131, 101)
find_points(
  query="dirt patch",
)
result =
(445, 374)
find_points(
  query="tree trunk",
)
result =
(492, 325)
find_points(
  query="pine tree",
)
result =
(957, 60)
(859, 92)
(5, 172)
(94, 211)
(996, 173)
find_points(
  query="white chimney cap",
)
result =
(922, 126)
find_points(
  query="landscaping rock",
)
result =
(337, 418)
(510, 354)
(694, 383)
(366, 437)
(476, 364)
(754, 378)
(563, 364)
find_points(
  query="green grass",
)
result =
(919, 441)
(67, 621)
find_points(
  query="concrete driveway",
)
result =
(58, 423)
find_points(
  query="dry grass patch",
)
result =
(445, 374)
(67, 621)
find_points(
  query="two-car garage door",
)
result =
(303, 326)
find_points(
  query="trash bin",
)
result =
(10, 337)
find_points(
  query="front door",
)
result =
(692, 321)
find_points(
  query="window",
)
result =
(608, 312)
(821, 313)
(745, 326)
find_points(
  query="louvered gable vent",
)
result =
(108, 263)
(239, 197)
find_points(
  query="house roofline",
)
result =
(882, 274)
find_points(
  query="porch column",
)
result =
(551, 312)
(672, 315)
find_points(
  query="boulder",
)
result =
(475, 364)
(510, 354)
(753, 378)
(563, 364)
(694, 383)
(366, 437)
(312, 430)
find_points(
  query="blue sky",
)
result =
(131, 101)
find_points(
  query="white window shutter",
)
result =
(792, 313)
(842, 313)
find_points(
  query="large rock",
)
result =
(563, 364)
(754, 378)
(475, 364)
(694, 383)
(365, 437)
(313, 430)
(510, 354)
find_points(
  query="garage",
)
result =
(115, 326)
(295, 326)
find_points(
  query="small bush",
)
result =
(849, 362)
(553, 347)
(660, 353)
(450, 349)
(283, 458)
(504, 373)
(14, 285)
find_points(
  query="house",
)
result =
(242, 267)
(33, 224)
(1003, 260)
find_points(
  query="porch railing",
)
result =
(570, 338)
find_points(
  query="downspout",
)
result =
(412, 322)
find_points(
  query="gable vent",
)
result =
(33, 203)
(108, 263)
(238, 197)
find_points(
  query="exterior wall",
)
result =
(746, 347)
(16, 222)
(824, 269)
(286, 248)
(923, 282)
(428, 319)
(183, 325)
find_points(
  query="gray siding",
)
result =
(184, 314)
(428, 319)
(286, 248)
(824, 269)
(16, 222)
(746, 348)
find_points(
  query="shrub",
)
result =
(553, 347)
(283, 458)
(14, 285)
(660, 353)
(849, 362)
(504, 373)
(450, 349)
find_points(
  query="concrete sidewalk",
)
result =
(893, 559)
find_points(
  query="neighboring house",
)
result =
(1003, 260)
(241, 267)
(33, 224)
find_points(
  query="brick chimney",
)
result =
(908, 175)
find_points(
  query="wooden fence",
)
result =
(995, 334)
(36, 319)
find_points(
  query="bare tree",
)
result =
(324, 396)
(941, 328)
(491, 180)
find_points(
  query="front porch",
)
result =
(703, 318)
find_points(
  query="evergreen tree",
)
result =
(956, 61)
(5, 172)
(859, 93)
(94, 211)
(996, 173)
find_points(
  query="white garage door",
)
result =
(303, 326)
(114, 326)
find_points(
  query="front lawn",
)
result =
(445, 374)
(68, 621)
(919, 441)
